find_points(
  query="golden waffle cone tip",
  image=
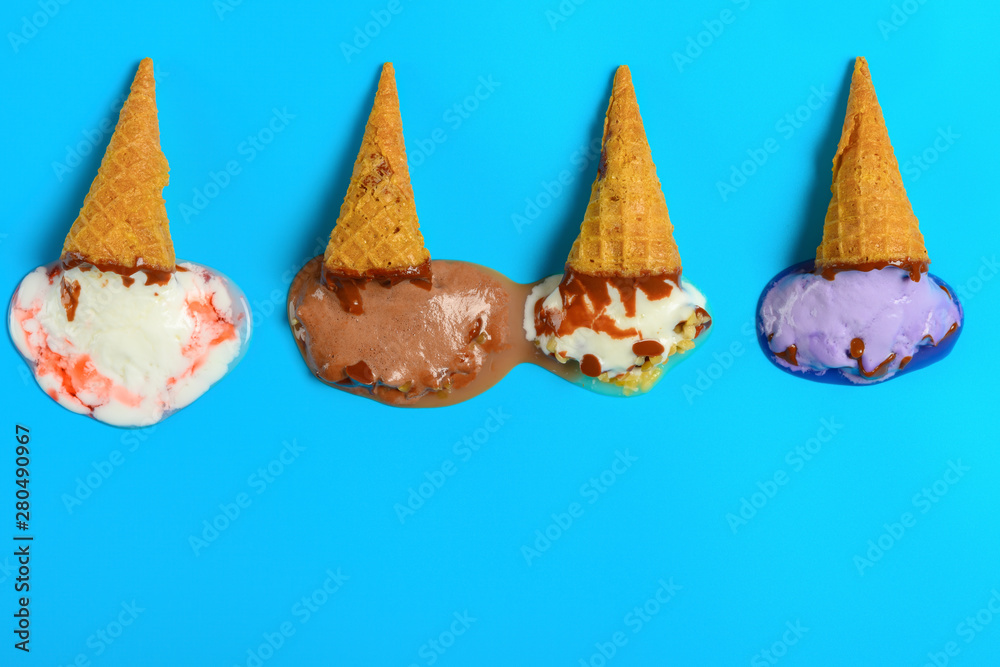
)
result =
(123, 223)
(626, 230)
(870, 223)
(377, 234)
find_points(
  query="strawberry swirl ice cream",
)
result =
(128, 351)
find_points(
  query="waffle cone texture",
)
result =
(626, 230)
(377, 234)
(870, 222)
(123, 222)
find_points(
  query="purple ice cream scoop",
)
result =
(866, 326)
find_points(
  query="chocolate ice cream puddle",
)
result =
(360, 373)
(498, 347)
(411, 340)
(348, 293)
(348, 287)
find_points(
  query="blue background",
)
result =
(709, 436)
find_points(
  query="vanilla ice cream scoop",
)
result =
(619, 330)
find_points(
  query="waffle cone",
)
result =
(870, 222)
(626, 231)
(377, 234)
(123, 223)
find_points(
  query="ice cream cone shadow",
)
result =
(75, 170)
(577, 193)
(814, 204)
(328, 206)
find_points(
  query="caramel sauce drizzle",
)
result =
(584, 297)
(153, 276)
(348, 285)
(69, 294)
(858, 349)
(789, 355)
(590, 366)
(915, 269)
